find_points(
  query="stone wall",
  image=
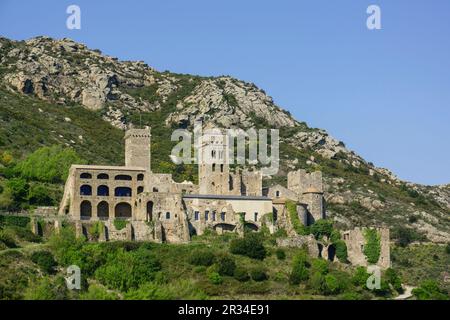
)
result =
(355, 242)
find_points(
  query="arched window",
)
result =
(213, 154)
(221, 168)
(214, 167)
(122, 192)
(86, 190)
(213, 216)
(206, 215)
(123, 210)
(140, 177)
(103, 210)
(85, 210)
(277, 194)
(123, 177)
(167, 215)
(140, 189)
(103, 191)
(196, 215)
(155, 189)
(103, 176)
(86, 175)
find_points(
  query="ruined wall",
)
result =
(299, 181)
(278, 191)
(215, 214)
(315, 203)
(355, 242)
(252, 181)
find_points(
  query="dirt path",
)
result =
(407, 294)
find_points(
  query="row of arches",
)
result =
(121, 210)
(103, 191)
(104, 176)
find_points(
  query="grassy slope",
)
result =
(23, 129)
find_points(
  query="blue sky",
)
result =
(385, 93)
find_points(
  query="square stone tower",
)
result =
(137, 148)
(213, 166)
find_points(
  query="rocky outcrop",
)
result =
(65, 72)
(230, 103)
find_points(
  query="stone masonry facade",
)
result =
(132, 202)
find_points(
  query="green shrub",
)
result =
(241, 274)
(335, 236)
(96, 229)
(341, 250)
(404, 236)
(447, 248)
(372, 248)
(295, 220)
(258, 274)
(317, 282)
(47, 289)
(332, 285)
(281, 255)
(126, 270)
(14, 221)
(48, 164)
(202, 257)
(322, 228)
(394, 279)
(280, 233)
(19, 189)
(66, 247)
(44, 260)
(430, 290)
(360, 277)
(120, 224)
(96, 292)
(215, 278)
(7, 239)
(251, 246)
(319, 265)
(38, 195)
(226, 265)
(299, 270)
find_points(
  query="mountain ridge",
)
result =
(66, 73)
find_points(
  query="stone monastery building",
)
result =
(152, 207)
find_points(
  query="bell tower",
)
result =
(137, 148)
(213, 167)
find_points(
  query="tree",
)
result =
(44, 260)
(38, 195)
(226, 265)
(19, 191)
(48, 164)
(394, 279)
(300, 266)
(251, 246)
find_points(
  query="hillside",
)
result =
(61, 92)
